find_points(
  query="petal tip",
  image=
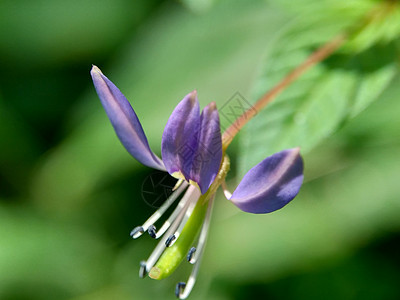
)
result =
(211, 109)
(193, 96)
(296, 150)
(212, 106)
(95, 70)
(124, 120)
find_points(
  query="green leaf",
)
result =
(380, 26)
(315, 105)
(355, 201)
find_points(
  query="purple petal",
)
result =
(208, 156)
(271, 184)
(124, 120)
(180, 137)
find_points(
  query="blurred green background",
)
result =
(70, 193)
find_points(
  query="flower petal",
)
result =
(180, 137)
(271, 184)
(124, 120)
(208, 156)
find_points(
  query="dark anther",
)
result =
(142, 270)
(136, 230)
(180, 286)
(190, 254)
(169, 240)
(152, 231)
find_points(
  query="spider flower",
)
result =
(192, 152)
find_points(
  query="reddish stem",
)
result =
(317, 56)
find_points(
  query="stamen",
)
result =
(172, 217)
(152, 231)
(198, 250)
(180, 286)
(178, 184)
(138, 231)
(182, 224)
(183, 290)
(190, 254)
(227, 193)
(169, 240)
(190, 195)
(142, 270)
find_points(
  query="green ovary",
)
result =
(173, 256)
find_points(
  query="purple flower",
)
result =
(192, 152)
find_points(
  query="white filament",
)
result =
(203, 233)
(199, 253)
(159, 212)
(191, 195)
(227, 193)
(173, 216)
(186, 217)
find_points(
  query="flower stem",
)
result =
(316, 57)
